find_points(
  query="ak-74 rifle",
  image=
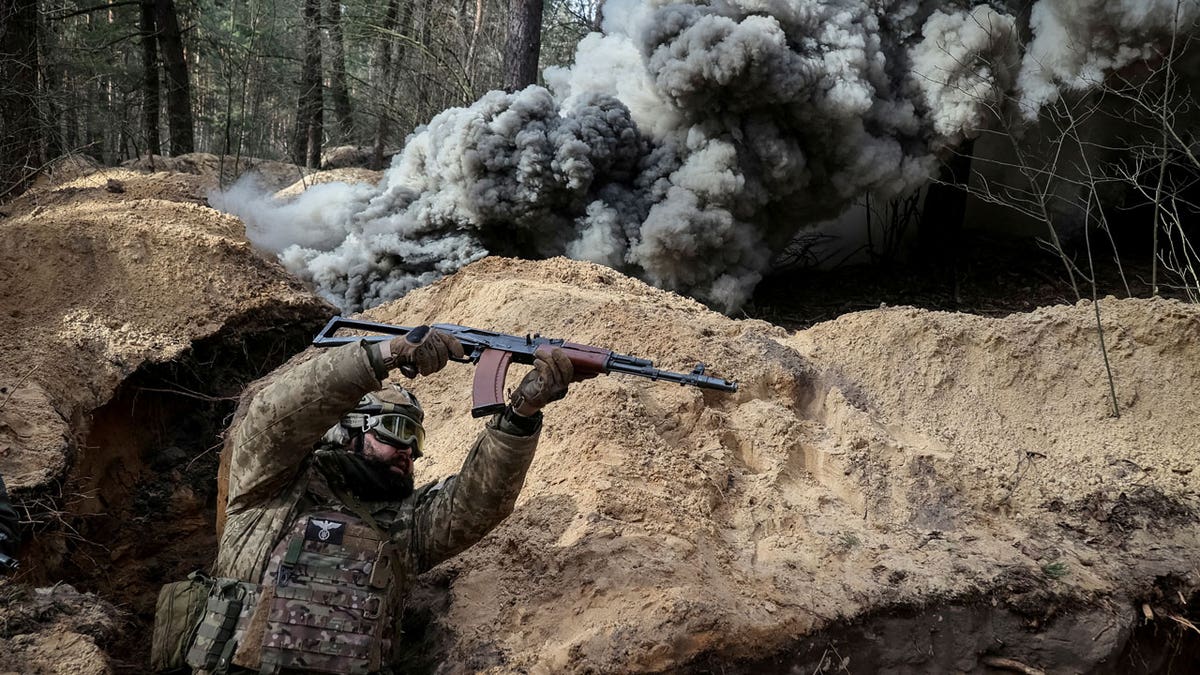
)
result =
(494, 352)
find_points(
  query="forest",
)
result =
(271, 79)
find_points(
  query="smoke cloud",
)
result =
(1077, 43)
(690, 142)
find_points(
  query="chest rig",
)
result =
(327, 594)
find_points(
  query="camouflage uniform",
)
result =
(275, 491)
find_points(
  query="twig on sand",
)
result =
(14, 389)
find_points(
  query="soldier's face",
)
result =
(397, 458)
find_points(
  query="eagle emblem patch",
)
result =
(325, 531)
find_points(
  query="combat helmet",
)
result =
(394, 413)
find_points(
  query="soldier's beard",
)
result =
(367, 479)
(379, 483)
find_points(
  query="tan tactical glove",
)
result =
(422, 351)
(552, 372)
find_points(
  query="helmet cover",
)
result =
(393, 413)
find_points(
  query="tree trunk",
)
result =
(306, 143)
(943, 213)
(524, 44)
(473, 42)
(392, 57)
(179, 97)
(51, 78)
(383, 67)
(150, 101)
(71, 123)
(338, 90)
(20, 128)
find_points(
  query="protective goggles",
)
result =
(397, 430)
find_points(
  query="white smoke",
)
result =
(963, 68)
(691, 141)
(317, 220)
(1077, 43)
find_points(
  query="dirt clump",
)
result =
(346, 157)
(55, 631)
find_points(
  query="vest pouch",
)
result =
(213, 646)
(323, 631)
(176, 614)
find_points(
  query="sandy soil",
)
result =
(54, 631)
(910, 490)
(889, 458)
(99, 282)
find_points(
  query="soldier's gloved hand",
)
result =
(552, 372)
(422, 351)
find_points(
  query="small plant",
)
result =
(848, 540)
(1055, 570)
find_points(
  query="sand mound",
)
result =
(347, 175)
(54, 631)
(97, 282)
(346, 156)
(65, 169)
(879, 463)
(1022, 405)
(222, 170)
(121, 188)
(130, 319)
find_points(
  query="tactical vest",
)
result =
(325, 603)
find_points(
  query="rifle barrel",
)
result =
(696, 378)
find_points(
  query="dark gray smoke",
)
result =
(689, 142)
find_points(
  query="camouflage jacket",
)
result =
(271, 487)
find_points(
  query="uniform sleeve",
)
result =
(288, 416)
(9, 536)
(472, 503)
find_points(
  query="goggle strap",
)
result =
(357, 421)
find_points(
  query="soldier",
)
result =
(9, 538)
(326, 541)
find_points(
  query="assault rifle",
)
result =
(494, 352)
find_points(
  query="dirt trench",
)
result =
(981, 635)
(139, 504)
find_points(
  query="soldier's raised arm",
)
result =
(289, 415)
(453, 515)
